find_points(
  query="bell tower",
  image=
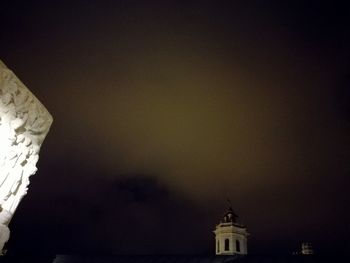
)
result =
(230, 236)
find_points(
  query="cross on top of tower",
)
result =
(230, 215)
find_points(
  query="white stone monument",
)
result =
(24, 123)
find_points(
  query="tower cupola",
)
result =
(230, 236)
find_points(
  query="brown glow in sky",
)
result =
(212, 100)
(203, 122)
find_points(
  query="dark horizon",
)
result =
(163, 110)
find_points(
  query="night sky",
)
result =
(164, 109)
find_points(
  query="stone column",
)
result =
(24, 123)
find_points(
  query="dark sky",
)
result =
(163, 109)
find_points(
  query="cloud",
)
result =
(129, 214)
